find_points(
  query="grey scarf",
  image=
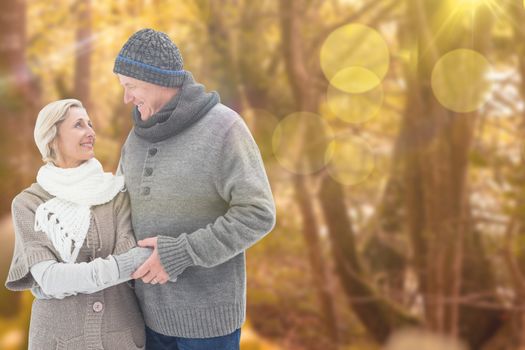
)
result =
(189, 105)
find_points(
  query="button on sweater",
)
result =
(208, 199)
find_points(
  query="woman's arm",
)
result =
(59, 280)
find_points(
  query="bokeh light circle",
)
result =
(460, 80)
(355, 108)
(300, 142)
(349, 48)
(355, 80)
(350, 161)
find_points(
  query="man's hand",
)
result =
(151, 271)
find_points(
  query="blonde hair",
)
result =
(46, 125)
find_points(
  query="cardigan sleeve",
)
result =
(31, 247)
(59, 280)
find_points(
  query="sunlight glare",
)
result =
(472, 4)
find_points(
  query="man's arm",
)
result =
(242, 182)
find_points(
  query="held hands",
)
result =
(151, 271)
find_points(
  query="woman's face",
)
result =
(75, 139)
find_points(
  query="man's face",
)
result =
(149, 98)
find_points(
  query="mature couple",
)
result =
(191, 187)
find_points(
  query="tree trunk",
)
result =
(379, 316)
(83, 49)
(304, 102)
(18, 95)
(313, 244)
(447, 251)
(517, 260)
(223, 40)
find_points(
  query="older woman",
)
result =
(74, 242)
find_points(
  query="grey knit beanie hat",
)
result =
(151, 56)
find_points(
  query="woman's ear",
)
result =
(53, 149)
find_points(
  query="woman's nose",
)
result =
(90, 132)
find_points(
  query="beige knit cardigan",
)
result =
(109, 319)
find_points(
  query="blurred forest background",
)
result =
(392, 132)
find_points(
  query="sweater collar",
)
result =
(189, 105)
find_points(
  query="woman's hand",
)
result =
(152, 270)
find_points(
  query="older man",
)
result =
(199, 196)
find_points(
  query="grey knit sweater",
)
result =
(205, 194)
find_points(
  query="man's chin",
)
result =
(145, 116)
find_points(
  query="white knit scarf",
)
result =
(66, 218)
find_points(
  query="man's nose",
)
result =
(127, 97)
